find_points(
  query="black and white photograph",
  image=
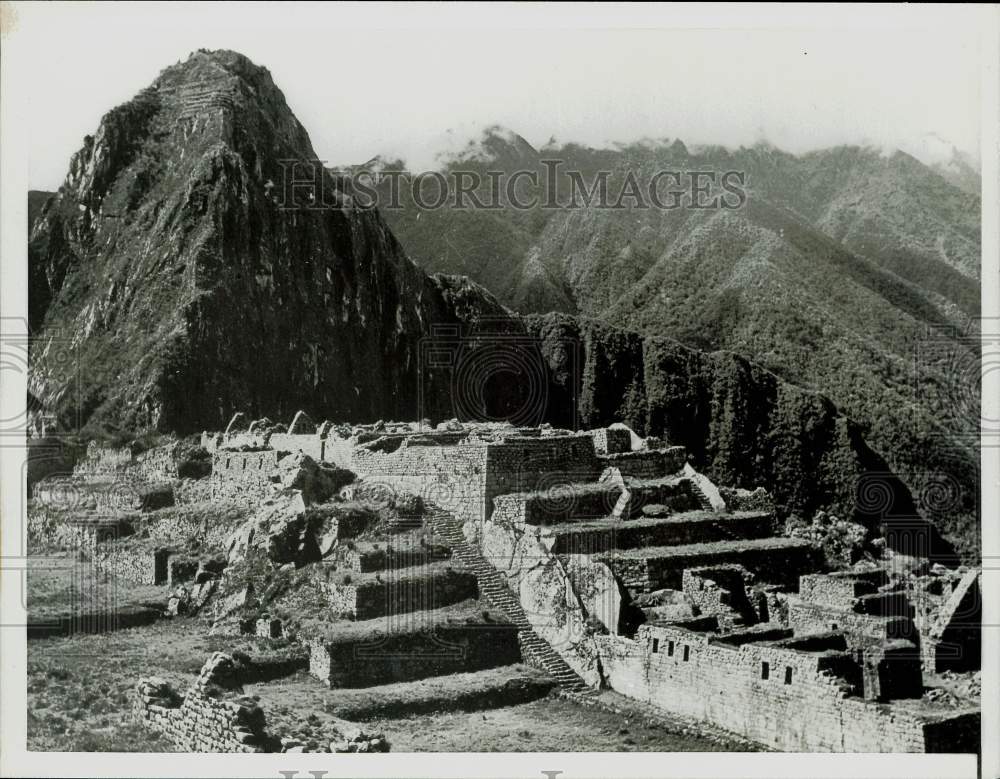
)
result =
(613, 389)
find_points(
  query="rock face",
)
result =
(317, 481)
(548, 594)
(598, 590)
(192, 288)
(174, 267)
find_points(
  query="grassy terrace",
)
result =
(80, 687)
(468, 612)
(548, 725)
(684, 528)
(423, 572)
(61, 585)
(714, 550)
(286, 699)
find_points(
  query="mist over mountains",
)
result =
(168, 288)
(849, 271)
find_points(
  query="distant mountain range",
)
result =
(169, 287)
(848, 271)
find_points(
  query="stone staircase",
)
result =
(700, 495)
(536, 651)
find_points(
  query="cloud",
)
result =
(415, 93)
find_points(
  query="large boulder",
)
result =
(286, 530)
(597, 590)
(546, 592)
(318, 482)
(556, 614)
(268, 527)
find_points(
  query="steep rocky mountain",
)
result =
(846, 271)
(37, 199)
(184, 287)
(173, 280)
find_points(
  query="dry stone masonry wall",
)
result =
(761, 691)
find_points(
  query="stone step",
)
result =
(775, 560)
(536, 651)
(702, 498)
(597, 536)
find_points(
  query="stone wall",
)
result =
(201, 721)
(531, 464)
(647, 463)
(391, 593)
(850, 601)
(130, 495)
(207, 522)
(839, 589)
(805, 617)
(720, 591)
(243, 477)
(309, 443)
(99, 620)
(636, 533)
(48, 528)
(339, 451)
(685, 673)
(611, 440)
(187, 491)
(452, 477)
(158, 463)
(137, 565)
(446, 649)
(102, 459)
(214, 715)
(771, 563)
(561, 504)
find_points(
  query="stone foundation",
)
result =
(403, 657)
(392, 593)
(214, 716)
(773, 560)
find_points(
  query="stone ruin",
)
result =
(608, 559)
(215, 716)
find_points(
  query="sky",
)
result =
(412, 82)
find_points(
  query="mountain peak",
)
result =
(500, 145)
(212, 67)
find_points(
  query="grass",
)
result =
(545, 725)
(471, 611)
(80, 693)
(80, 696)
(445, 717)
(80, 687)
(61, 584)
(301, 705)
